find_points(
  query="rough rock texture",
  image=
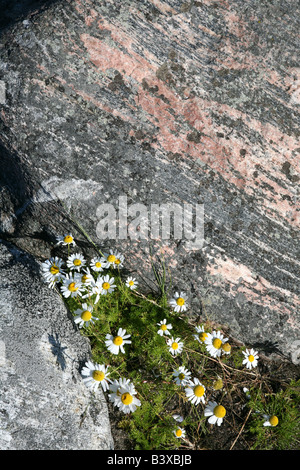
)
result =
(43, 402)
(164, 101)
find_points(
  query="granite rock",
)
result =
(164, 102)
(44, 404)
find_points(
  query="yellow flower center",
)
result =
(163, 327)
(111, 258)
(199, 390)
(217, 343)
(181, 376)
(77, 262)
(86, 315)
(274, 420)
(226, 347)
(180, 301)
(54, 269)
(98, 375)
(72, 287)
(131, 283)
(84, 278)
(98, 264)
(68, 239)
(126, 398)
(250, 358)
(178, 432)
(106, 285)
(118, 261)
(175, 345)
(118, 340)
(219, 411)
(203, 336)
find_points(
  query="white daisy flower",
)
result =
(131, 282)
(67, 239)
(115, 344)
(115, 386)
(251, 358)
(94, 375)
(214, 343)
(71, 286)
(98, 263)
(85, 277)
(201, 334)
(271, 420)
(195, 391)
(52, 270)
(102, 286)
(125, 398)
(178, 418)
(84, 316)
(114, 259)
(175, 346)
(179, 433)
(164, 327)
(215, 412)
(182, 375)
(179, 302)
(95, 288)
(106, 283)
(76, 262)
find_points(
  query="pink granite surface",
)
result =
(171, 101)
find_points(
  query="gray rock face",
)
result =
(43, 402)
(164, 102)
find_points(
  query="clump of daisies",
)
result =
(146, 354)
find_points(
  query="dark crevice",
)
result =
(13, 11)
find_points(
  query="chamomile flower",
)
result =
(85, 277)
(66, 239)
(251, 358)
(182, 375)
(164, 327)
(115, 344)
(214, 343)
(102, 286)
(84, 316)
(98, 264)
(71, 287)
(106, 283)
(179, 433)
(52, 270)
(271, 420)
(215, 412)
(95, 288)
(131, 282)
(195, 391)
(125, 398)
(94, 375)
(76, 262)
(179, 302)
(201, 334)
(114, 259)
(115, 386)
(175, 346)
